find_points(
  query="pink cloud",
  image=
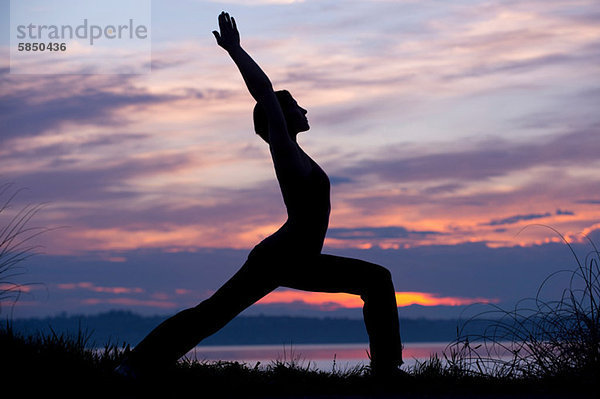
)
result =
(94, 288)
(130, 302)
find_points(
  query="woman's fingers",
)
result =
(224, 25)
(226, 21)
(222, 22)
(228, 37)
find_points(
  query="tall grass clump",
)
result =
(15, 238)
(539, 338)
(15, 242)
(57, 364)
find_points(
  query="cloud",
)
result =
(484, 160)
(517, 218)
(88, 286)
(98, 182)
(337, 180)
(51, 103)
(589, 201)
(522, 66)
(374, 233)
(564, 212)
(130, 302)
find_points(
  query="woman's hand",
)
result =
(229, 38)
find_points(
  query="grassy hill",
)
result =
(65, 366)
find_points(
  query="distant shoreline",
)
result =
(127, 327)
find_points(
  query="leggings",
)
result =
(264, 271)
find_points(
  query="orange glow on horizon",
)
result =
(428, 299)
(332, 301)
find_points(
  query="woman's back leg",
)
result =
(180, 333)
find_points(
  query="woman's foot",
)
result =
(388, 371)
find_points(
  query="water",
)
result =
(319, 356)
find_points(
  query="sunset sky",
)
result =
(446, 127)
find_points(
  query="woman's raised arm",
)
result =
(285, 152)
(256, 80)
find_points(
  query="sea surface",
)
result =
(325, 357)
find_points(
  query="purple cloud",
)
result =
(564, 212)
(517, 218)
(486, 160)
(51, 102)
(589, 201)
(378, 233)
(93, 183)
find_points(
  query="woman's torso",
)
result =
(307, 200)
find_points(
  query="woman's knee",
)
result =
(379, 274)
(377, 282)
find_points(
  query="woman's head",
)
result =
(295, 116)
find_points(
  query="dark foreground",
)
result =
(49, 366)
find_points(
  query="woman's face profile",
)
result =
(296, 118)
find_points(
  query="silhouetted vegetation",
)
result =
(69, 366)
(15, 247)
(539, 338)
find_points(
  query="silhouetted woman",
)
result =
(291, 257)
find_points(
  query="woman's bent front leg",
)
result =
(328, 273)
